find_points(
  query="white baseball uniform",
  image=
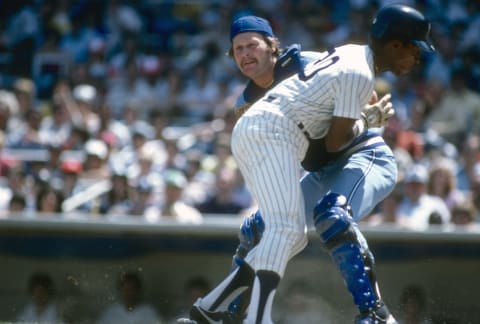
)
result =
(270, 140)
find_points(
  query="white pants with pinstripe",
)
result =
(268, 148)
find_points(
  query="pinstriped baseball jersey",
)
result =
(339, 84)
(268, 143)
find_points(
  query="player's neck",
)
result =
(264, 82)
(265, 76)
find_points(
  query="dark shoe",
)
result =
(198, 315)
(380, 315)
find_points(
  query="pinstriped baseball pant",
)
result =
(268, 149)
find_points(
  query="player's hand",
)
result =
(377, 114)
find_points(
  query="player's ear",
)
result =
(274, 45)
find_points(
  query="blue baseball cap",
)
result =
(250, 24)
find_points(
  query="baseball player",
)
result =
(318, 113)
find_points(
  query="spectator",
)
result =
(121, 92)
(95, 166)
(174, 207)
(76, 140)
(50, 63)
(175, 158)
(200, 96)
(386, 212)
(142, 200)
(474, 193)
(130, 308)
(56, 128)
(84, 107)
(117, 200)
(9, 116)
(21, 36)
(468, 162)
(458, 111)
(49, 200)
(302, 305)
(417, 205)
(16, 182)
(442, 183)
(42, 307)
(464, 213)
(17, 203)
(29, 135)
(91, 180)
(76, 39)
(126, 59)
(413, 305)
(70, 168)
(221, 201)
(148, 84)
(25, 91)
(143, 170)
(199, 180)
(96, 65)
(124, 23)
(112, 131)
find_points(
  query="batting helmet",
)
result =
(402, 22)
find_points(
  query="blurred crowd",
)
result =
(124, 109)
(50, 302)
(53, 301)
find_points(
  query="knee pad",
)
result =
(251, 230)
(331, 218)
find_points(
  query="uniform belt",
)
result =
(368, 143)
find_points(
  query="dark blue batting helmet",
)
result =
(402, 22)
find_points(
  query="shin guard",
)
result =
(334, 225)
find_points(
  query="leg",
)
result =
(272, 176)
(251, 232)
(213, 306)
(365, 179)
(350, 253)
(269, 163)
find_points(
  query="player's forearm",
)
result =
(341, 133)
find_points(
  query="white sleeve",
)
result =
(354, 90)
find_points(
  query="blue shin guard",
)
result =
(349, 260)
(334, 225)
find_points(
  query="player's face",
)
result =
(253, 57)
(404, 56)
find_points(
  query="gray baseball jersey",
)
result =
(270, 140)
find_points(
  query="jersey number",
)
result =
(320, 64)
